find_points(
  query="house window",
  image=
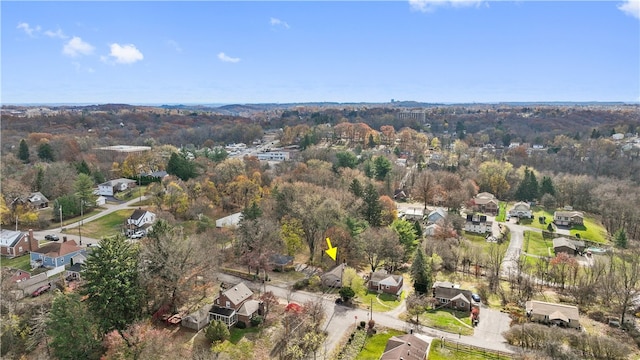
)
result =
(461, 304)
(62, 260)
(443, 301)
(387, 286)
(228, 304)
(20, 249)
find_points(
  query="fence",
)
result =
(471, 349)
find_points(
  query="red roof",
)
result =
(293, 307)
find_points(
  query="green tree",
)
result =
(179, 166)
(528, 188)
(421, 272)
(252, 211)
(45, 152)
(23, 151)
(546, 186)
(346, 159)
(382, 167)
(346, 293)
(406, 233)
(217, 331)
(83, 188)
(620, 238)
(72, 330)
(70, 207)
(112, 285)
(39, 179)
(356, 188)
(83, 168)
(372, 209)
(292, 234)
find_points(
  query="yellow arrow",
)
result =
(331, 251)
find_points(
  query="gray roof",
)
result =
(9, 238)
(406, 347)
(249, 308)
(231, 220)
(238, 293)
(546, 308)
(572, 244)
(451, 293)
(569, 214)
(37, 198)
(383, 278)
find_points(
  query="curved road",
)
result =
(86, 240)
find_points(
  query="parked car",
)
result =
(41, 290)
(475, 297)
(52, 237)
(137, 235)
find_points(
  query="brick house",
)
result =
(568, 218)
(234, 305)
(383, 282)
(486, 203)
(16, 243)
(452, 296)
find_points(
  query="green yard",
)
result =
(591, 230)
(21, 262)
(456, 322)
(381, 302)
(374, 345)
(502, 212)
(106, 226)
(448, 350)
(535, 244)
(237, 334)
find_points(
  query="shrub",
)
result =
(241, 325)
(217, 331)
(301, 284)
(256, 320)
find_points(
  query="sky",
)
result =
(214, 52)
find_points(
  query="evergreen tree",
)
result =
(23, 151)
(372, 209)
(83, 168)
(356, 188)
(112, 286)
(546, 186)
(252, 211)
(382, 167)
(418, 229)
(181, 167)
(421, 272)
(45, 152)
(72, 331)
(84, 190)
(528, 187)
(217, 331)
(620, 238)
(37, 186)
(406, 234)
(346, 159)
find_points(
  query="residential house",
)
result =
(400, 195)
(280, 262)
(111, 187)
(569, 246)
(56, 254)
(38, 201)
(232, 220)
(413, 214)
(197, 320)
(157, 174)
(486, 203)
(140, 220)
(73, 271)
(406, 347)
(234, 305)
(28, 286)
(274, 156)
(16, 243)
(101, 200)
(333, 277)
(568, 218)
(431, 229)
(477, 223)
(553, 314)
(383, 282)
(435, 215)
(450, 295)
(521, 210)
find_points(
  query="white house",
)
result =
(140, 219)
(274, 156)
(229, 221)
(521, 210)
(477, 223)
(111, 187)
(101, 200)
(435, 215)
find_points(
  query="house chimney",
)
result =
(33, 243)
(64, 239)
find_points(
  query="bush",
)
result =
(597, 316)
(217, 331)
(301, 284)
(256, 320)
(347, 293)
(241, 325)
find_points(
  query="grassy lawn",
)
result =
(447, 320)
(591, 230)
(537, 213)
(374, 345)
(21, 262)
(534, 244)
(502, 212)
(130, 194)
(238, 334)
(389, 302)
(450, 351)
(108, 225)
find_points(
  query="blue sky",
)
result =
(296, 51)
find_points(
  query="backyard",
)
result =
(455, 322)
(535, 244)
(381, 302)
(449, 350)
(108, 225)
(374, 346)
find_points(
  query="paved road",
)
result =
(87, 240)
(340, 320)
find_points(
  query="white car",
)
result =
(137, 235)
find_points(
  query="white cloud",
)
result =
(225, 58)
(278, 23)
(174, 45)
(80, 68)
(56, 34)
(76, 46)
(28, 29)
(631, 7)
(125, 54)
(431, 5)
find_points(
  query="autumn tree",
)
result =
(376, 243)
(424, 187)
(257, 240)
(140, 340)
(292, 234)
(492, 177)
(561, 266)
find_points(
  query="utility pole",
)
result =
(60, 208)
(81, 220)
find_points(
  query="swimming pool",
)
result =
(595, 250)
